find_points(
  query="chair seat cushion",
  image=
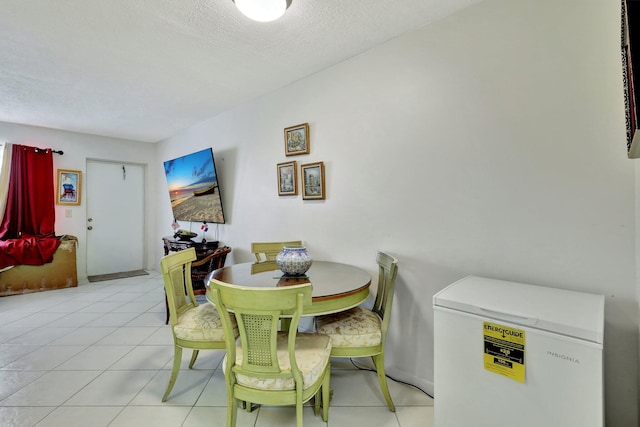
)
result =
(357, 327)
(201, 323)
(312, 354)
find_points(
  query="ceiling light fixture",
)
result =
(263, 10)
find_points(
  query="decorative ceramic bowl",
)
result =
(185, 235)
(293, 260)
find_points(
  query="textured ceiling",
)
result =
(146, 69)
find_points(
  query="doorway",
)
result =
(115, 217)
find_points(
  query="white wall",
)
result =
(77, 148)
(489, 143)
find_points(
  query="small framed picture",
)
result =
(68, 187)
(287, 179)
(313, 181)
(296, 140)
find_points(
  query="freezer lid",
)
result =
(575, 314)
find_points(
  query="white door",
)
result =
(115, 217)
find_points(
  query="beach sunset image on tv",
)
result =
(193, 188)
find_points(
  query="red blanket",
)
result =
(27, 251)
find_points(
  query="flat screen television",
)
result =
(193, 188)
(630, 69)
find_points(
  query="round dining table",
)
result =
(335, 286)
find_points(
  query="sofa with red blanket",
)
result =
(57, 272)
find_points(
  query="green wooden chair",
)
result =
(361, 332)
(194, 326)
(268, 366)
(200, 269)
(267, 251)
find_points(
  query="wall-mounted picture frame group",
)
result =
(296, 140)
(313, 187)
(288, 179)
(69, 187)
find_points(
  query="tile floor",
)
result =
(100, 355)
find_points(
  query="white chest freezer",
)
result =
(514, 354)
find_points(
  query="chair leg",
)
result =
(299, 408)
(177, 359)
(326, 395)
(232, 410)
(194, 356)
(316, 402)
(378, 361)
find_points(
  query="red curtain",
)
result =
(31, 196)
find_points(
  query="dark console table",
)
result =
(173, 244)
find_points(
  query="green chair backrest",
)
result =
(387, 272)
(267, 251)
(176, 274)
(257, 312)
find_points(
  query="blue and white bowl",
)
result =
(294, 260)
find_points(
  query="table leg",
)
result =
(285, 324)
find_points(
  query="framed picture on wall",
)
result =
(287, 179)
(68, 188)
(296, 140)
(313, 181)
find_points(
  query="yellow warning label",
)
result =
(504, 351)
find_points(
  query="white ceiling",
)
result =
(146, 69)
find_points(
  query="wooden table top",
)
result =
(335, 286)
